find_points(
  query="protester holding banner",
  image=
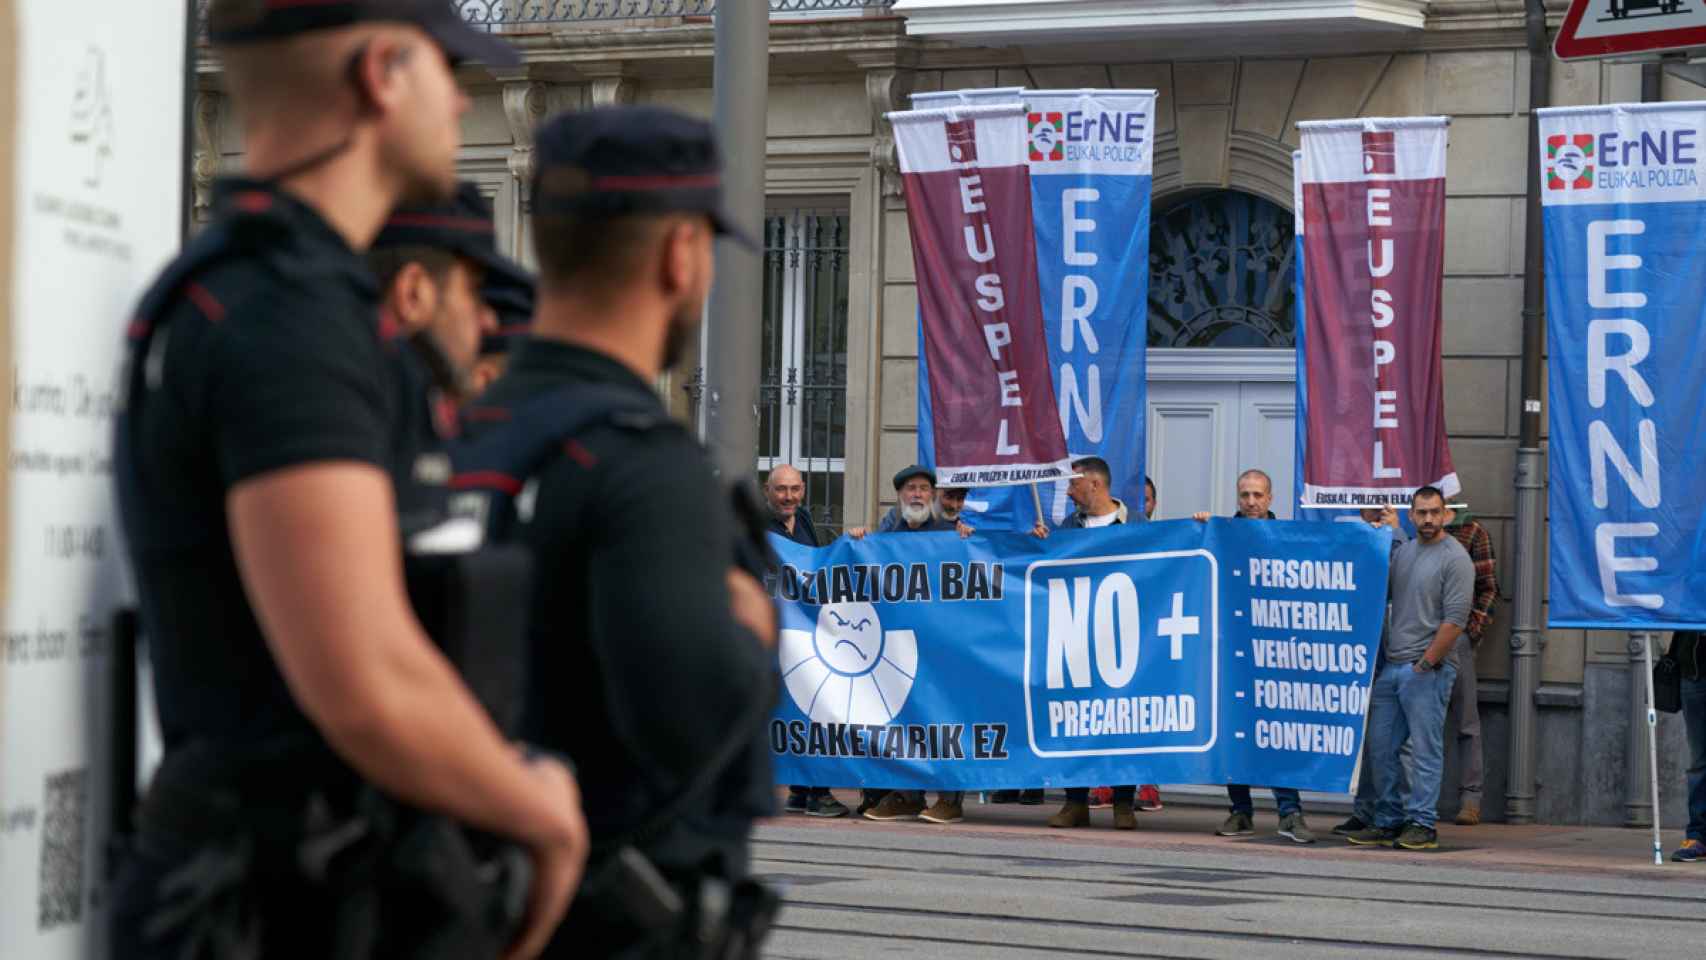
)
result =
(296, 690)
(1465, 710)
(1096, 509)
(784, 491)
(915, 512)
(1432, 584)
(1255, 496)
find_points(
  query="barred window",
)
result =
(803, 396)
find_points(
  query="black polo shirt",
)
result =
(804, 532)
(267, 357)
(640, 672)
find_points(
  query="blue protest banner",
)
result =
(1091, 161)
(1231, 651)
(1625, 224)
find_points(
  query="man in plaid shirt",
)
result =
(1464, 712)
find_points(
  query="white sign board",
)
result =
(1595, 29)
(96, 202)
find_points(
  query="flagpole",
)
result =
(1652, 747)
(1037, 499)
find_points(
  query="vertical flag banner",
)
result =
(1374, 253)
(1625, 224)
(968, 198)
(1091, 157)
(1301, 313)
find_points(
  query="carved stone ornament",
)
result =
(204, 164)
(887, 89)
(524, 108)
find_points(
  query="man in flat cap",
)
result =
(294, 683)
(653, 651)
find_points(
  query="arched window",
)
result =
(1220, 273)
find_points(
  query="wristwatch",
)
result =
(1423, 664)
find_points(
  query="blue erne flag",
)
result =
(1091, 156)
(1231, 651)
(1625, 225)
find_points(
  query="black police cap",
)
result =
(619, 161)
(509, 292)
(462, 226)
(238, 22)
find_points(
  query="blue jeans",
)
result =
(1285, 798)
(1408, 707)
(1694, 719)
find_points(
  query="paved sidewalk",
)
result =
(1601, 850)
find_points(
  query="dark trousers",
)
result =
(809, 791)
(1082, 794)
(1284, 797)
(294, 920)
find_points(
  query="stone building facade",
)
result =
(840, 327)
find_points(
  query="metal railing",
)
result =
(523, 13)
(497, 14)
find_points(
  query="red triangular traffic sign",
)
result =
(1595, 29)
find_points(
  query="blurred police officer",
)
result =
(652, 663)
(509, 292)
(431, 261)
(253, 471)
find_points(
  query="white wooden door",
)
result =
(1267, 422)
(1208, 423)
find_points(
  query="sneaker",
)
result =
(1418, 837)
(826, 806)
(944, 811)
(1293, 828)
(1124, 817)
(1468, 816)
(1236, 825)
(1374, 837)
(1690, 851)
(1031, 798)
(898, 805)
(869, 799)
(1004, 796)
(1353, 825)
(1101, 797)
(1149, 797)
(1071, 815)
(796, 802)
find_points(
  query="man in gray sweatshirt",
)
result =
(1431, 586)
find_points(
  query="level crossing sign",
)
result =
(1595, 29)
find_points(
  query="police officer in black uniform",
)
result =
(292, 681)
(432, 262)
(654, 665)
(509, 292)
